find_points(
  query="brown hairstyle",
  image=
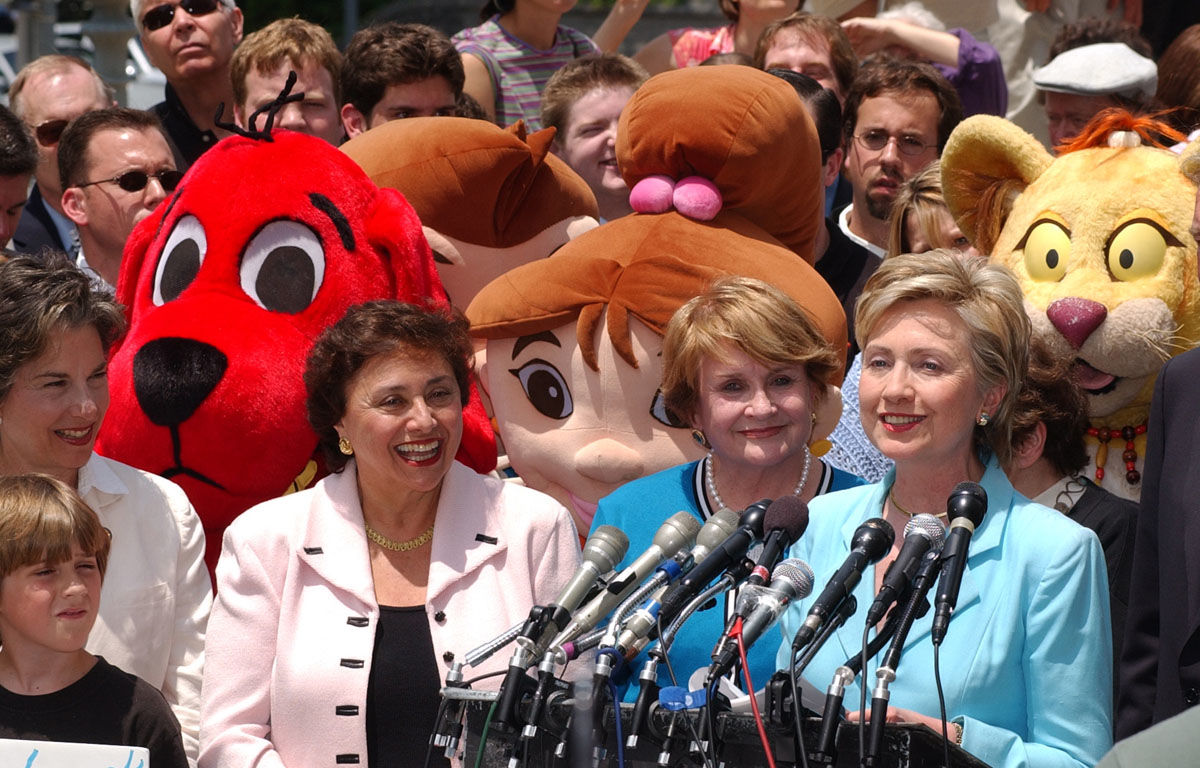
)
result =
(822, 106)
(579, 77)
(73, 146)
(39, 298)
(42, 519)
(1179, 79)
(18, 156)
(1092, 30)
(1052, 396)
(391, 53)
(745, 314)
(293, 40)
(367, 331)
(883, 74)
(54, 63)
(987, 299)
(814, 27)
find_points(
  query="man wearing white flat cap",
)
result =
(1081, 81)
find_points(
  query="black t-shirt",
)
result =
(403, 690)
(105, 706)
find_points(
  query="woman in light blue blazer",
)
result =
(1026, 664)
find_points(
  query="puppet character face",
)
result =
(575, 433)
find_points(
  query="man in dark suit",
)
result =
(1160, 666)
(17, 161)
(48, 93)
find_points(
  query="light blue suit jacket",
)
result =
(1027, 662)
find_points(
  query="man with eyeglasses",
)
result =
(191, 42)
(115, 167)
(898, 115)
(48, 93)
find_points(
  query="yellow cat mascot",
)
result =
(1099, 240)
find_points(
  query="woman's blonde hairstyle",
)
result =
(986, 298)
(745, 314)
(42, 519)
(920, 196)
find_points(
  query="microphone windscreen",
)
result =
(929, 527)
(789, 514)
(798, 574)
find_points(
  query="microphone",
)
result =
(601, 553)
(793, 580)
(677, 532)
(784, 522)
(966, 507)
(638, 626)
(871, 541)
(924, 533)
(730, 552)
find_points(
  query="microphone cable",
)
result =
(758, 721)
(797, 716)
(937, 679)
(666, 658)
(862, 699)
(616, 699)
(444, 704)
(483, 737)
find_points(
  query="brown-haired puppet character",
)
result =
(730, 159)
(489, 198)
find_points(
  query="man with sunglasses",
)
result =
(115, 167)
(47, 94)
(191, 42)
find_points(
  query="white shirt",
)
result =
(844, 225)
(156, 596)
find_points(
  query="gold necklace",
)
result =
(900, 509)
(399, 546)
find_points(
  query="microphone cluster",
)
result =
(621, 613)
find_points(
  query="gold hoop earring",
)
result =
(345, 447)
(700, 439)
(983, 419)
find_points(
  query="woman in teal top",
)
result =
(1026, 665)
(745, 367)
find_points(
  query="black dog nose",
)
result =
(172, 376)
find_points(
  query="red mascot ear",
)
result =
(395, 233)
(134, 255)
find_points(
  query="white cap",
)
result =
(1100, 69)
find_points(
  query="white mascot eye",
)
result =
(180, 260)
(283, 267)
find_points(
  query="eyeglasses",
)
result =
(908, 145)
(161, 15)
(136, 181)
(49, 132)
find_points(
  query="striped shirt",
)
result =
(519, 71)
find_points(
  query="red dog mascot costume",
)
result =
(265, 244)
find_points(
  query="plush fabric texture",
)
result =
(743, 130)
(508, 180)
(588, 418)
(227, 285)
(1099, 240)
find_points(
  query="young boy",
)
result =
(53, 552)
(583, 100)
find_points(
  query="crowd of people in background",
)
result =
(105, 602)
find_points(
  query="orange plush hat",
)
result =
(489, 198)
(731, 159)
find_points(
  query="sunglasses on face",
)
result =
(161, 15)
(49, 132)
(136, 181)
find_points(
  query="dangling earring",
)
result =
(700, 439)
(983, 419)
(818, 448)
(345, 447)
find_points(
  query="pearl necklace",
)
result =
(711, 481)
